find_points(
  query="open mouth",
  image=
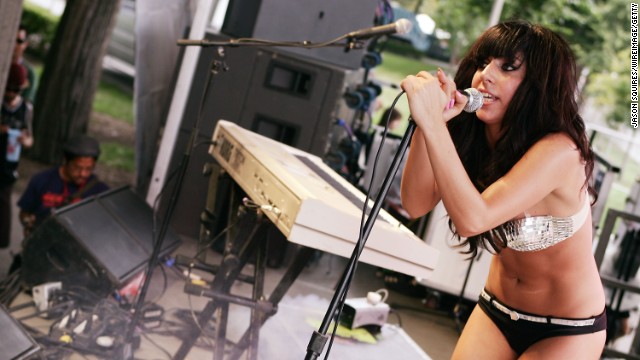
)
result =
(488, 98)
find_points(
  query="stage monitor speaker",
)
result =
(15, 342)
(100, 243)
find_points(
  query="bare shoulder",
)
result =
(563, 157)
(558, 140)
(557, 146)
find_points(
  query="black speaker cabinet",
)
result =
(311, 20)
(98, 244)
(15, 342)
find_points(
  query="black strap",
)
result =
(78, 194)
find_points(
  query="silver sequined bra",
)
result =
(535, 233)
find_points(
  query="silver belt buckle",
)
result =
(485, 295)
(514, 315)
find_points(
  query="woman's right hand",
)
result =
(432, 98)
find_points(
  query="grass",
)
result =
(396, 66)
(118, 156)
(113, 101)
(117, 103)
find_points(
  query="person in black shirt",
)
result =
(15, 133)
(56, 187)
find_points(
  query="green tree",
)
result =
(580, 22)
(465, 20)
(610, 87)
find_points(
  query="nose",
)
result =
(488, 73)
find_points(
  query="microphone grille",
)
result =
(403, 26)
(475, 100)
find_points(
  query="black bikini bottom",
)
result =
(523, 329)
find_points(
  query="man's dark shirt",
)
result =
(47, 191)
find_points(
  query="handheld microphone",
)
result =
(402, 26)
(475, 100)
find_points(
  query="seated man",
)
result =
(63, 185)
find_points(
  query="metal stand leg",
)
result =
(249, 238)
(300, 261)
(236, 255)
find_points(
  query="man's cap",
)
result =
(82, 145)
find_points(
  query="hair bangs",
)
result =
(506, 40)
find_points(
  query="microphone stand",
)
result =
(319, 337)
(127, 350)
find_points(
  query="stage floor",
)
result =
(410, 332)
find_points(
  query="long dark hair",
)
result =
(544, 103)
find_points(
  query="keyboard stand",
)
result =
(250, 239)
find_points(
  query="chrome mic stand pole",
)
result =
(319, 337)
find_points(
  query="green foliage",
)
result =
(41, 26)
(610, 90)
(615, 26)
(465, 21)
(609, 84)
(577, 21)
